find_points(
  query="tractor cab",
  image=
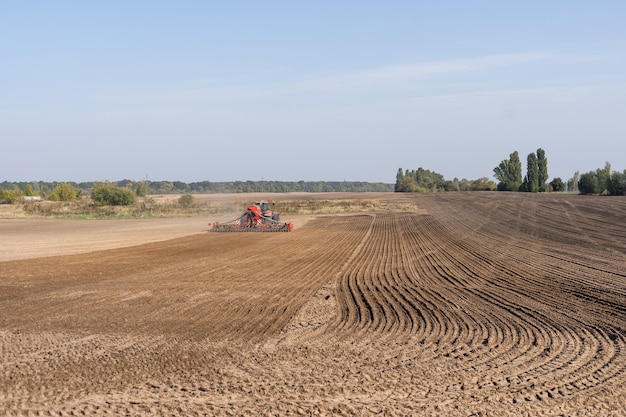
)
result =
(266, 211)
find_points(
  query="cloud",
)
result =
(272, 84)
(401, 74)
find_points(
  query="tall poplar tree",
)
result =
(399, 178)
(516, 171)
(542, 163)
(531, 184)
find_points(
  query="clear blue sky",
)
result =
(323, 90)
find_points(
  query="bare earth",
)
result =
(483, 304)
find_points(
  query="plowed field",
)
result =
(491, 304)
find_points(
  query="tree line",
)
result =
(65, 191)
(424, 180)
(601, 181)
(509, 174)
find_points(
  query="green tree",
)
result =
(420, 180)
(604, 176)
(141, 189)
(483, 184)
(64, 192)
(408, 185)
(104, 194)
(531, 182)
(589, 184)
(399, 178)
(616, 183)
(28, 190)
(452, 185)
(126, 183)
(557, 185)
(428, 180)
(542, 165)
(509, 173)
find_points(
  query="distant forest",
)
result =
(207, 187)
(602, 181)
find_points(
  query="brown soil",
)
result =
(479, 304)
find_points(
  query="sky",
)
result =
(307, 91)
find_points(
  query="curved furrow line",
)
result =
(357, 312)
(538, 273)
(348, 304)
(573, 348)
(513, 351)
(366, 312)
(527, 363)
(417, 324)
(414, 289)
(382, 281)
(367, 278)
(457, 321)
(568, 352)
(386, 275)
(613, 362)
(421, 282)
(426, 323)
(505, 339)
(586, 369)
(560, 361)
(373, 254)
(434, 276)
(541, 278)
(373, 300)
(537, 331)
(572, 368)
(523, 354)
(421, 265)
(460, 286)
(598, 363)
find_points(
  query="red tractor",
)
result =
(258, 217)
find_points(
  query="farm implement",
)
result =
(258, 217)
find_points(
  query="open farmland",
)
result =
(499, 304)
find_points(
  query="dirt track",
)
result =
(490, 304)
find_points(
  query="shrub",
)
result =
(107, 195)
(186, 200)
(10, 196)
(64, 192)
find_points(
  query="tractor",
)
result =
(258, 217)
